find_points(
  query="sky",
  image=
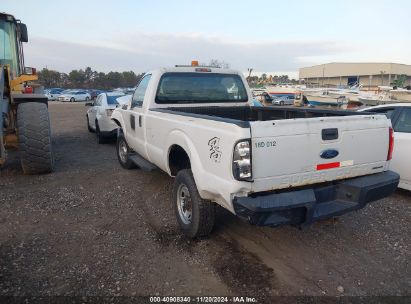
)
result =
(276, 37)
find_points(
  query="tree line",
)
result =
(88, 79)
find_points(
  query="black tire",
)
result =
(72, 99)
(202, 211)
(126, 163)
(281, 103)
(33, 124)
(87, 99)
(88, 126)
(100, 138)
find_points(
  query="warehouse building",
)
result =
(366, 74)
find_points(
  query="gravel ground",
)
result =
(92, 228)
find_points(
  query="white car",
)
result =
(99, 115)
(74, 96)
(53, 94)
(400, 115)
(283, 100)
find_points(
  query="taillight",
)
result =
(242, 161)
(391, 144)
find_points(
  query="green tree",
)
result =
(49, 78)
(400, 81)
(77, 78)
(128, 79)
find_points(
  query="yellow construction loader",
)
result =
(24, 117)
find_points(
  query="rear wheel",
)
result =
(88, 126)
(195, 216)
(87, 99)
(281, 103)
(72, 99)
(123, 153)
(100, 138)
(33, 125)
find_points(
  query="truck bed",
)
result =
(239, 115)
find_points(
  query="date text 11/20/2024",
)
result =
(203, 299)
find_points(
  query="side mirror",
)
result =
(24, 37)
(89, 104)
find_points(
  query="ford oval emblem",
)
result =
(329, 153)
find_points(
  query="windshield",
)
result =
(200, 88)
(112, 99)
(8, 46)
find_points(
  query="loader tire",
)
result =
(33, 125)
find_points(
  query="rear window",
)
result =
(200, 88)
(112, 100)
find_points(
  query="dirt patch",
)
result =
(243, 271)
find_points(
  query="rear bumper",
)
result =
(107, 126)
(319, 202)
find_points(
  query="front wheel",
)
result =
(72, 99)
(123, 153)
(87, 99)
(195, 216)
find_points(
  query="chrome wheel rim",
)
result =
(123, 151)
(184, 204)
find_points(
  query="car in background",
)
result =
(74, 96)
(53, 94)
(400, 115)
(283, 100)
(125, 90)
(99, 115)
(95, 93)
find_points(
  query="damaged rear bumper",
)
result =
(319, 202)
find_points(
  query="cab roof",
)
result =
(195, 69)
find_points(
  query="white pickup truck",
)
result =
(268, 165)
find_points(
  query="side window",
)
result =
(403, 123)
(140, 92)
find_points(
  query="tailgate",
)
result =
(296, 152)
